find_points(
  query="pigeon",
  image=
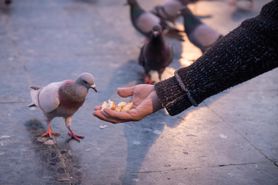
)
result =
(169, 11)
(62, 99)
(142, 20)
(155, 55)
(199, 34)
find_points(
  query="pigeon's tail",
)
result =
(34, 96)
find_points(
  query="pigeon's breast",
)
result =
(71, 99)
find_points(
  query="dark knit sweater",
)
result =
(246, 52)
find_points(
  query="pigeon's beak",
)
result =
(94, 87)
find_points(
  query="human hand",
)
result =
(144, 99)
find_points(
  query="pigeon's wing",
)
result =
(49, 97)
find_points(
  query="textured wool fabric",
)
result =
(246, 52)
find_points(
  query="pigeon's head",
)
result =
(157, 30)
(87, 80)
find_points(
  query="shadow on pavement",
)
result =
(58, 164)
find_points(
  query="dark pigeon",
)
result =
(155, 56)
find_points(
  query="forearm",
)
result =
(246, 52)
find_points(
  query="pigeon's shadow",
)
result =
(57, 162)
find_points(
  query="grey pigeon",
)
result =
(191, 22)
(193, 27)
(142, 20)
(62, 99)
(169, 11)
(155, 55)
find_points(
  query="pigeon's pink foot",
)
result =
(147, 80)
(75, 137)
(50, 133)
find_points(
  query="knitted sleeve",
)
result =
(246, 52)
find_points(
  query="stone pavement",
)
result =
(231, 138)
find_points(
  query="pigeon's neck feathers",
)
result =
(73, 92)
(156, 43)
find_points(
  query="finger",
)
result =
(113, 119)
(119, 116)
(105, 117)
(98, 107)
(100, 115)
(125, 91)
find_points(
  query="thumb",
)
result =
(125, 91)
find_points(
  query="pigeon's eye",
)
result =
(85, 82)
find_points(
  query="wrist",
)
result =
(171, 96)
(157, 105)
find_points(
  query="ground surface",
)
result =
(231, 138)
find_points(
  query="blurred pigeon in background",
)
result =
(62, 99)
(155, 56)
(199, 34)
(168, 11)
(142, 20)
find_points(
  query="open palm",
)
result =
(145, 102)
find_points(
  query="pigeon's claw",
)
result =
(50, 133)
(75, 136)
(148, 80)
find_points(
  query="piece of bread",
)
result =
(127, 107)
(120, 107)
(109, 104)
